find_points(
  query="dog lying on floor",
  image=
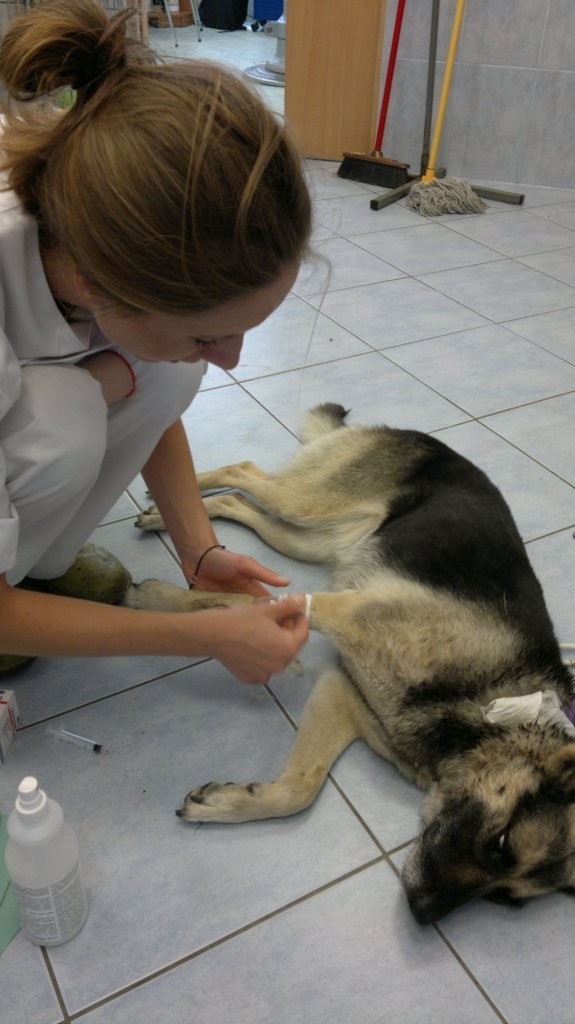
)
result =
(449, 666)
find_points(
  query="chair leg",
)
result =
(170, 20)
(197, 21)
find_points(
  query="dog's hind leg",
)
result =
(297, 494)
(328, 726)
(237, 474)
(304, 544)
(281, 534)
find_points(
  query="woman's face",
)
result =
(215, 335)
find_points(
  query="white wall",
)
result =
(511, 112)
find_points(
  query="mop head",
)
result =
(445, 195)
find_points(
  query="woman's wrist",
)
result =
(199, 634)
(191, 553)
(193, 578)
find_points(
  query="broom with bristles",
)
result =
(374, 168)
(432, 196)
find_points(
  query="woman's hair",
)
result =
(172, 187)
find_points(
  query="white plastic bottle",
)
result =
(42, 861)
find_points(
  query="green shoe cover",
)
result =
(96, 575)
(13, 663)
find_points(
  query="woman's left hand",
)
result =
(223, 570)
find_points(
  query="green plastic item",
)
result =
(9, 915)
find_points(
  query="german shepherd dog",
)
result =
(435, 614)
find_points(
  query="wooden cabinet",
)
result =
(333, 74)
(181, 17)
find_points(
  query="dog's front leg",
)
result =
(332, 613)
(159, 596)
(328, 726)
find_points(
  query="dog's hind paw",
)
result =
(216, 801)
(150, 520)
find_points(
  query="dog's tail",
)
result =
(322, 419)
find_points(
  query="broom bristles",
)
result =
(445, 195)
(373, 169)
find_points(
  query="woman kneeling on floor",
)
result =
(143, 230)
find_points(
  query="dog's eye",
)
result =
(503, 841)
(499, 844)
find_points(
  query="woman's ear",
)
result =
(88, 295)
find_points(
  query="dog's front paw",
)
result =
(216, 801)
(157, 595)
(150, 520)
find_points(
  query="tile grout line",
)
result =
(54, 981)
(226, 938)
(470, 974)
(115, 693)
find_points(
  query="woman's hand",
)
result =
(169, 474)
(227, 571)
(253, 640)
(256, 641)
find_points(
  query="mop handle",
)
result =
(389, 75)
(445, 86)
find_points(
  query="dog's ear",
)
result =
(560, 769)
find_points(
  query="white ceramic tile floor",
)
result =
(303, 921)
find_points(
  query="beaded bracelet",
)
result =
(194, 579)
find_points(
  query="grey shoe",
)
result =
(96, 575)
(10, 663)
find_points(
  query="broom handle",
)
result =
(445, 86)
(389, 75)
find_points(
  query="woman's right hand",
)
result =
(256, 641)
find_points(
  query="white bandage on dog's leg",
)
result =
(307, 612)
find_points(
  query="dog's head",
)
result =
(501, 824)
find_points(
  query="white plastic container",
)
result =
(43, 863)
